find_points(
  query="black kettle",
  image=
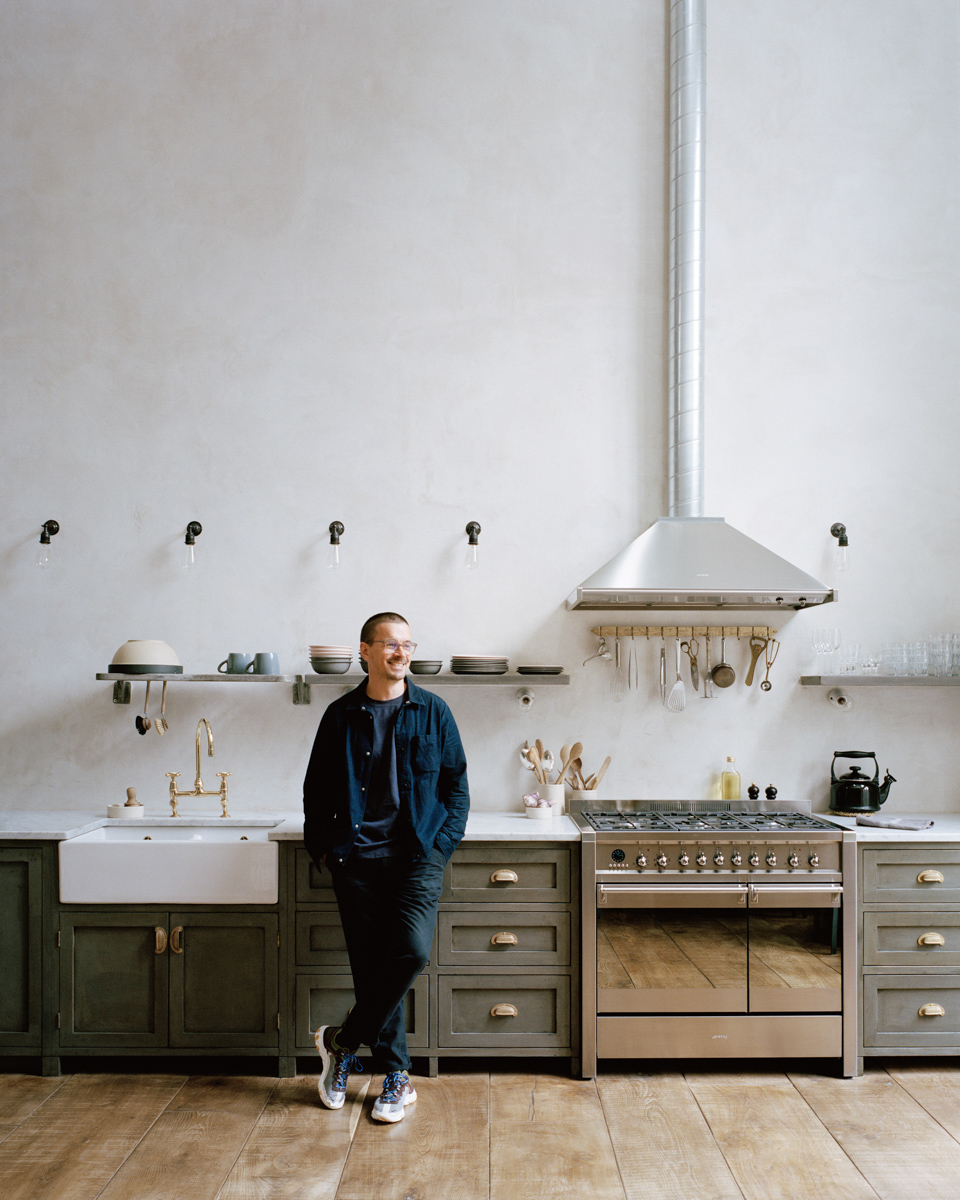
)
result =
(853, 792)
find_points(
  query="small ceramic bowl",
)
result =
(426, 666)
(330, 666)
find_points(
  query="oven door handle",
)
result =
(795, 895)
(651, 895)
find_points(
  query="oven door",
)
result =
(672, 948)
(795, 951)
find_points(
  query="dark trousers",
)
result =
(388, 909)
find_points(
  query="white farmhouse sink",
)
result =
(149, 864)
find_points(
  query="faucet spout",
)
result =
(203, 721)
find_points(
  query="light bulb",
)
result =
(333, 556)
(189, 556)
(471, 560)
(843, 558)
(43, 556)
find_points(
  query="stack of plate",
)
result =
(478, 664)
(331, 660)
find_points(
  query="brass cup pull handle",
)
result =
(504, 876)
(175, 934)
(931, 1010)
(931, 939)
(504, 1010)
(503, 939)
(160, 939)
(930, 877)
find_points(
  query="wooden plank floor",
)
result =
(477, 1134)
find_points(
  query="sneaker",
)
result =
(337, 1064)
(397, 1093)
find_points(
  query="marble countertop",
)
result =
(27, 825)
(945, 828)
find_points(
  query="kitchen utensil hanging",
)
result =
(723, 674)
(707, 676)
(757, 647)
(143, 723)
(618, 689)
(677, 699)
(691, 650)
(770, 659)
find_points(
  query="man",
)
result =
(385, 804)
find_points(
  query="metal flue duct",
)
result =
(687, 560)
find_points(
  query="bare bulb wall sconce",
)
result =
(48, 530)
(471, 560)
(194, 529)
(333, 550)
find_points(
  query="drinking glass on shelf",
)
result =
(825, 643)
(894, 658)
(918, 659)
(870, 662)
(849, 658)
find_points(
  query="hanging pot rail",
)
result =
(685, 631)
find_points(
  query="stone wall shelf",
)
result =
(846, 681)
(121, 683)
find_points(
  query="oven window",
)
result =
(795, 960)
(671, 960)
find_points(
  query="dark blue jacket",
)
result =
(431, 775)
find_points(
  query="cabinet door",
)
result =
(326, 1000)
(113, 979)
(20, 948)
(223, 979)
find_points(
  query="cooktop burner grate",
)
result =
(703, 822)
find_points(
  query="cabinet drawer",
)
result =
(536, 1011)
(894, 939)
(326, 1000)
(895, 876)
(492, 940)
(891, 1010)
(313, 884)
(491, 874)
(320, 941)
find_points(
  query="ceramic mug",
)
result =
(235, 664)
(264, 664)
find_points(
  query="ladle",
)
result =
(723, 674)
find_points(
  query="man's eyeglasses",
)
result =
(392, 647)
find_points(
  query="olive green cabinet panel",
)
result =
(326, 1000)
(911, 1010)
(20, 958)
(320, 941)
(223, 980)
(114, 969)
(528, 1011)
(156, 979)
(314, 885)
(507, 874)
(911, 876)
(492, 939)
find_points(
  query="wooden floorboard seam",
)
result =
(933, 1117)
(250, 1134)
(613, 1144)
(835, 1139)
(716, 1142)
(142, 1136)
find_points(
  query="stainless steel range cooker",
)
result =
(716, 931)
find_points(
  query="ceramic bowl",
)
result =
(141, 656)
(330, 666)
(426, 666)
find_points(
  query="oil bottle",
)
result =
(730, 781)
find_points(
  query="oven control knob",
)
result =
(793, 861)
(736, 858)
(618, 856)
(661, 860)
(754, 859)
(718, 859)
(814, 859)
(684, 859)
(641, 860)
(701, 859)
(771, 859)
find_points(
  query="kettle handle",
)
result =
(855, 754)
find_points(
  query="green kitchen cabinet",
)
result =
(155, 979)
(20, 948)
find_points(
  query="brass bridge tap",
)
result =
(198, 788)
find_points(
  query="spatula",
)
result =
(677, 699)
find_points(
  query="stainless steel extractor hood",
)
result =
(698, 562)
(687, 560)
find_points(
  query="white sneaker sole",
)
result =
(391, 1118)
(329, 1101)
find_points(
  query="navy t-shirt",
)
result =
(380, 834)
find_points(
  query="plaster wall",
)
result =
(402, 265)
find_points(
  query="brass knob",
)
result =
(931, 1010)
(929, 877)
(503, 939)
(160, 939)
(504, 876)
(931, 939)
(175, 933)
(504, 1010)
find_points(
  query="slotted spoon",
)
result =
(677, 699)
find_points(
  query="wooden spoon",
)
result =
(594, 781)
(567, 755)
(534, 757)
